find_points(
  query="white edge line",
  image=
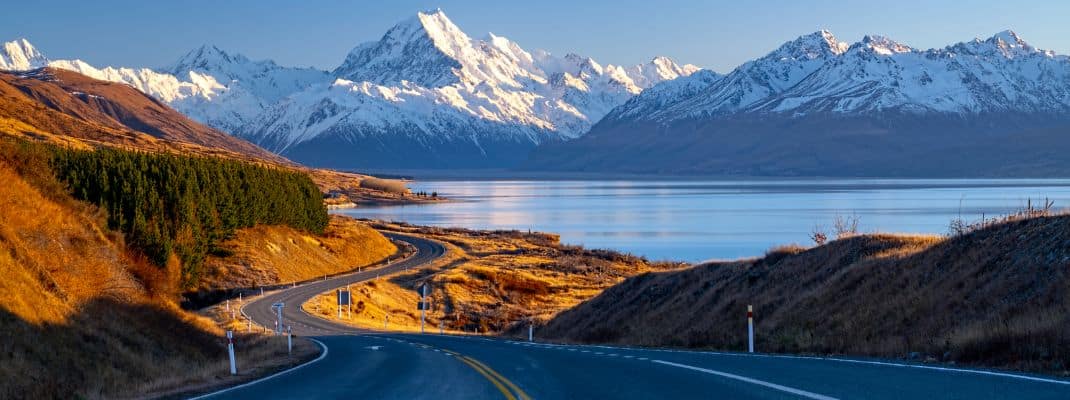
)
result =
(853, 361)
(275, 375)
(770, 385)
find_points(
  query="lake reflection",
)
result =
(700, 220)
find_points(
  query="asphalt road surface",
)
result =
(361, 364)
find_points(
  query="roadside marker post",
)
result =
(386, 321)
(531, 332)
(289, 340)
(228, 305)
(750, 329)
(440, 330)
(230, 352)
(423, 305)
(278, 317)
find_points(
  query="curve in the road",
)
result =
(410, 366)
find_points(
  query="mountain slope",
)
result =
(996, 297)
(817, 106)
(60, 105)
(424, 95)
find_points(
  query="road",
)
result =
(376, 365)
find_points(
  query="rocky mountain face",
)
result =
(424, 95)
(820, 107)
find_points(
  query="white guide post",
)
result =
(278, 317)
(531, 332)
(228, 304)
(386, 321)
(423, 306)
(750, 329)
(440, 328)
(349, 307)
(289, 340)
(230, 352)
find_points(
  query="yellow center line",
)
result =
(493, 376)
(523, 396)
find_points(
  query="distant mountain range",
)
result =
(424, 95)
(820, 107)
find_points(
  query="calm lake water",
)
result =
(702, 220)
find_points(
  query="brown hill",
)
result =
(67, 107)
(998, 296)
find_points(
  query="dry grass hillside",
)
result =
(80, 317)
(63, 106)
(997, 296)
(489, 281)
(265, 255)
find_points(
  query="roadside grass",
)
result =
(993, 296)
(267, 255)
(488, 282)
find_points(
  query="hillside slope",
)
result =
(998, 296)
(80, 317)
(64, 103)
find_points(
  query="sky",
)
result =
(713, 34)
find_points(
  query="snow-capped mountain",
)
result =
(816, 73)
(425, 94)
(817, 105)
(427, 84)
(20, 55)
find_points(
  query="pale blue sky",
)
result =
(714, 34)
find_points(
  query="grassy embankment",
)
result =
(88, 312)
(996, 295)
(489, 282)
(83, 316)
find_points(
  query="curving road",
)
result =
(363, 364)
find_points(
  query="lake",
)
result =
(702, 220)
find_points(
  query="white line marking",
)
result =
(809, 395)
(322, 355)
(852, 361)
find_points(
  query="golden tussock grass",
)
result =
(996, 296)
(489, 282)
(83, 317)
(265, 255)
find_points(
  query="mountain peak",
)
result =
(1008, 40)
(20, 55)
(883, 45)
(816, 45)
(206, 58)
(423, 49)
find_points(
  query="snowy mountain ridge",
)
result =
(816, 74)
(425, 81)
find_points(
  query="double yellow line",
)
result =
(508, 388)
